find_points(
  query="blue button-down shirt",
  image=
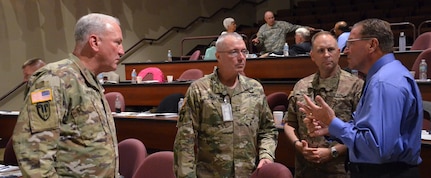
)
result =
(388, 120)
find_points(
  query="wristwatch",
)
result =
(334, 152)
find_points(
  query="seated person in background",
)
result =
(342, 32)
(229, 24)
(302, 42)
(210, 52)
(272, 35)
(30, 66)
(111, 77)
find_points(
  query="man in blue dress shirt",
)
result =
(384, 138)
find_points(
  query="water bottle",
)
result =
(134, 76)
(169, 56)
(180, 104)
(355, 72)
(100, 78)
(117, 104)
(423, 68)
(402, 42)
(286, 49)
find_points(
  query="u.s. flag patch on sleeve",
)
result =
(41, 96)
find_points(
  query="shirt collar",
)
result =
(387, 58)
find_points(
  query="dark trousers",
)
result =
(387, 170)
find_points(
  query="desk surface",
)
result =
(275, 68)
(153, 94)
(159, 133)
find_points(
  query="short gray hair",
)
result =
(92, 23)
(228, 21)
(220, 41)
(305, 33)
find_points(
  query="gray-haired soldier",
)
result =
(226, 117)
(65, 128)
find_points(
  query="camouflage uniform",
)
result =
(342, 93)
(223, 148)
(273, 38)
(65, 128)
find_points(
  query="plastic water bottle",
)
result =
(423, 68)
(134, 76)
(117, 104)
(169, 56)
(180, 104)
(286, 49)
(100, 78)
(355, 72)
(402, 42)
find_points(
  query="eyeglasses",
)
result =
(350, 41)
(235, 52)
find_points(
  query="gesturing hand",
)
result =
(321, 113)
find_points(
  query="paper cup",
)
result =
(278, 117)
(170, 78)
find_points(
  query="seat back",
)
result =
(191, 74)
(152, 73)
(157, 165)
(422, 42)
(111, 97)
(426, 122)
(195, 56)
(132, 153)
(278, 101)
(272, 170)
(169, 104)
(9, 157)
(426, 54)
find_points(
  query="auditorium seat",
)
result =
(426, 54)
(422, 42)
(111, 97)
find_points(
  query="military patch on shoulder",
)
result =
(39, 96)
(43, 110)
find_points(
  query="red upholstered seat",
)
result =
(278, 101)
(272, 170)
(191, 74)
(132, 153)
(157, 165)
(426, 54)
(195, 56)
(111, 97)
(9, 157)
(422, 42)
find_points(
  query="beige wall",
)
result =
(44, 28)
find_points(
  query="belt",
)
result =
(385, 167)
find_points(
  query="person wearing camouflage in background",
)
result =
(320, 156)
(226, 117)
(65, 128)
(271, 36)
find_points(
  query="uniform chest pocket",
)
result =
(89, 122)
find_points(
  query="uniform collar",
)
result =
(90, 78)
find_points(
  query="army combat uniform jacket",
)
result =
(342, 93)
(273, 37)
(65, 128)
(208, 146)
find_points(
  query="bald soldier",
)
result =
(65, 128)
